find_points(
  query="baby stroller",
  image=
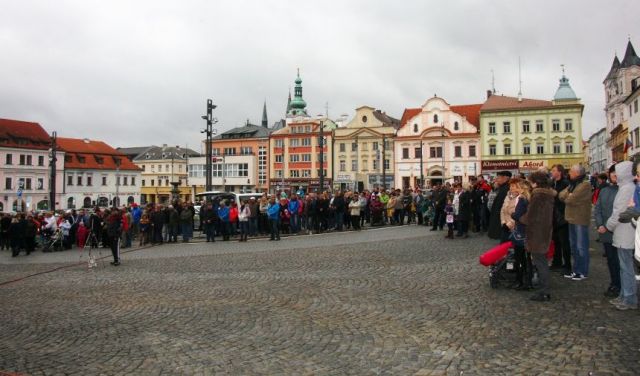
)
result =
(501, 262)
(376, 214)
(52, 241)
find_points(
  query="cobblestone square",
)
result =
(392, 301)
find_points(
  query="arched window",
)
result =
(455, 126)
(364, 119)
(1, 207)
(103, 201)
(435, 118)
(42, 205)
(116, 202)
(71, 203)
(87, 202)
(130, 200)
(415, 128)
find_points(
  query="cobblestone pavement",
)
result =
(389, 301)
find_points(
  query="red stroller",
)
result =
(501, 262)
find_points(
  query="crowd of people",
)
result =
(532, 212)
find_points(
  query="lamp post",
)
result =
(116, 200)
(355, 183)
(421, 164)
(384, 169)
(208, 147)
(321, 143)
(443, 138)
(52, 178)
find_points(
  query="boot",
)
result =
(449, 234)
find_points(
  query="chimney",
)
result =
(489, 93)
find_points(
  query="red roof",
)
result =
(470, 111)
(23, 135)
(93, 155)
(408, 114)
(501, 102)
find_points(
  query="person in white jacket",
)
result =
(624, 238)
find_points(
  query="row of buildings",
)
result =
(434, 142)
(619, 139)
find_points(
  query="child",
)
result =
(81, 235)
(144, 229)
(448, 212)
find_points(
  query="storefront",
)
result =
(491, 168)
(528, 166)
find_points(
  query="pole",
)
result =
(117, 160)
(421, 164)
(52, 178)
(209, 147)
(384, 170)
(443, 170)
(321, 142)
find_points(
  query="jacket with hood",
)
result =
(577, 200)
(623, 233)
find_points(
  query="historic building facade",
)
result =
(95, 174)
(363, 151)
(598, 151)
(522, 135)
(437, 142)
(618, 85)
(25, 173)
(633, 118)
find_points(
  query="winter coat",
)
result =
(495, 225)
(338, 204)
(209, 216)
(233, 214)
(464, 206)
(559, 207)
(539, 220)
(185, 217)
(577, 200)
(174, 218)
(604, 207)
(519, 230)
(623, 233)
(274, 211)
(244, 213)
(354, 208)
(508, 208)
(223, 213)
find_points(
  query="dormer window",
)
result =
(456, 126)
(415, 128)
(364, 119)
(81, 159)
(99, 160)
(435, 118)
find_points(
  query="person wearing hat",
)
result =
(501, 189)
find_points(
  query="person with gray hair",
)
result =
(577, 200)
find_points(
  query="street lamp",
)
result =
(442, 130)
(321, 143)
(421, 164)
(208, 147)
(52, 164)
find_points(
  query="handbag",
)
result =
(517, 238)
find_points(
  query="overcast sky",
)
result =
(134, 73)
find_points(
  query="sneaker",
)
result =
(612, 292)
(638, 277)
(578, 277)
(626, 307)
(616, 301)
(569, 275)
(116, 263)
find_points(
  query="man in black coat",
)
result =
(496, 230)
(562, 254)
(439, 202)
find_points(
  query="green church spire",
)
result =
(297, 107)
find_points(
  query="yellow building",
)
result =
(359, 148)
(164, 174)
(522, 135)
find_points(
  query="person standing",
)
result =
(243, 220)
(253, 217)
(524, 273)
(539, 228)
(601, 213)
(209, 221)
(225, 224)
(273, 213)
(624, 237)
(338, 205)
(463, 211)
(496, 230)
(354, 209)
(114, 231)
(186, 223)
(562, 255)
(577, 200)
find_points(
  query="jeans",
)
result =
(562, 254)
(540, 261)
(579, 240)
(274, 225)
(629, 288)
(463, 227)
(186, 231)
(613, 264)
(294, 223)
(253, 226)
(244, 229)
(339, 220)
(209, 231)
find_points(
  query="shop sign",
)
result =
(532, 165)
(499, 165)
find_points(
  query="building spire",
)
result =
(630, 57)
(265, 121)
(519, 80)
(297, 107)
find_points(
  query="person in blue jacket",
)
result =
(273, 213)
(294, 209)
(225, 224)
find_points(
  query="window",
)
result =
(28, 184)
(246, 150)
(492, 149)
(435, 119)
(166, 168)
(568, 147)
(354, 165)
(343, 166)
(294, 173)
(306, 173)
(306, 141)
(555, 125)
(143, 182)
(216, 170)
(22, 159)
(507, 149)
(40, 160)
(82, 159)
(278, 143)
(457, 151)
(376, 164)
(152, 182)
(418, 152)
(79, 180)
(365, 165)
(125, 180)
(7, 183)
(539, 126)
(294, 142)
(294, 158)
(525, 126)
(104, 180)
(160, 168)
(229, 151)
(506, 127)
(387, 163)
(306, 157)
(278, 158)
(89, 181)
(540, 148)
(415, 128)
(456, 126)
(69, 180)
(435, 152)
(568, 125)
(472, 150)
(216, 151)
(364, 119)
(556, 148)
(278, 173)
(29, 160)
(342, 147)
(40, 184)
(153, 168)
(9, 159)
(166, 182)
(375, 145)
(492, 128)
(354, 146)
(405, 153)
(635, 106)
(307, 128)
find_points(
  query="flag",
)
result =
(627, 145)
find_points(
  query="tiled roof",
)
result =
(470, 111)
(408, 114)
(386, 119)
(164, 152)
(23, 134)
(501, 102)
(246, 131)
(133, 152)
(92, 155)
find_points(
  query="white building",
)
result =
(598, 151)
(25, 168)
(633, 117)
(441, 137)
(95, 174)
